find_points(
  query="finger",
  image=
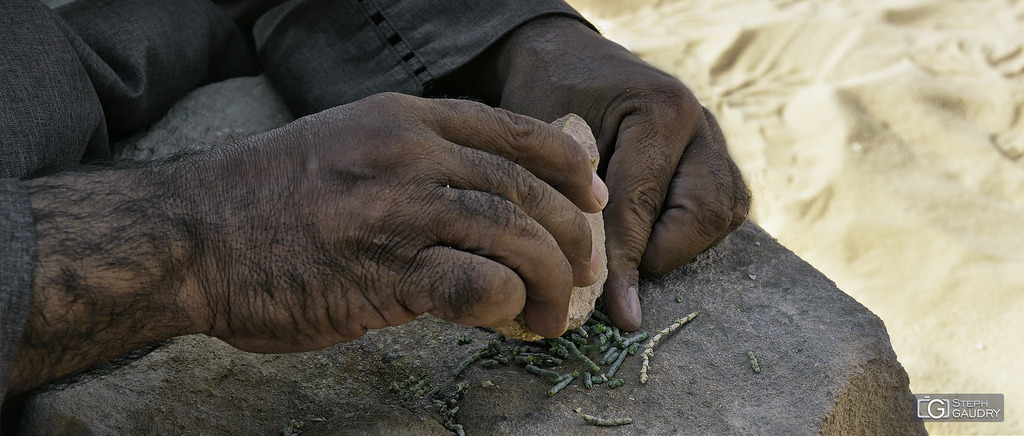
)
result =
(467, 288)
(707, 200)
(478, 170)
(488, 226)
(638, 172)
(548, 153)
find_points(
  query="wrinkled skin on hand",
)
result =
(359, 217)
(370, 214)
(674, 190)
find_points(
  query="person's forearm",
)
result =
(112, 256)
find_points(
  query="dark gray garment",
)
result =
(49, 112)
(17, 255)
(324, 53)
(107, 68)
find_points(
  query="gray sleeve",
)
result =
(17, 260)
(322, 53)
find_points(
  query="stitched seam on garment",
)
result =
(402, 49)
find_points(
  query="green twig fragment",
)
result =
(457, 428)
(557, 350)
(495, 347)
(582, 331)
(566, 380)
(605, 422)
(626, 343)
(614, 383)
(469, 361)
(600, 316)
(618, 362)
(603, 343)
(542, 372)
(610, 356)
(591, 366)
(577, 339)
(753, 362)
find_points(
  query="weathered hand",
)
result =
(674, 189)
(358, 217)
(374, 213)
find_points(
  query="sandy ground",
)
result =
(884, 143)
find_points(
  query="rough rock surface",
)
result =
(219, 113)
(826, 368)
(581, 302)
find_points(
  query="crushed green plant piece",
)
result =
(591, 366)
(618, 362)
(753, 362)
(566, 380)
(605, 422)
(542, 372)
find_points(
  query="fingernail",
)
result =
(600, 190)
(596, 264)
(634, 304)
(633, 309)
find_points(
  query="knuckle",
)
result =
(498, 307)
(665, 96)
(581, 232)
(464, 293)
(518, 127)
(631, 243)
(486, 298)
(713, 219)
(577, 173)
(524, 188)
(646, 198)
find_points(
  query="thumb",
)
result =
(638, 175)
(621, 298)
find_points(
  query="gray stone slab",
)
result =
(826, 363)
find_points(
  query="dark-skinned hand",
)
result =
(674, 190)
(396, 206)
(359, 217)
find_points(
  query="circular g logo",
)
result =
(938, 409)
